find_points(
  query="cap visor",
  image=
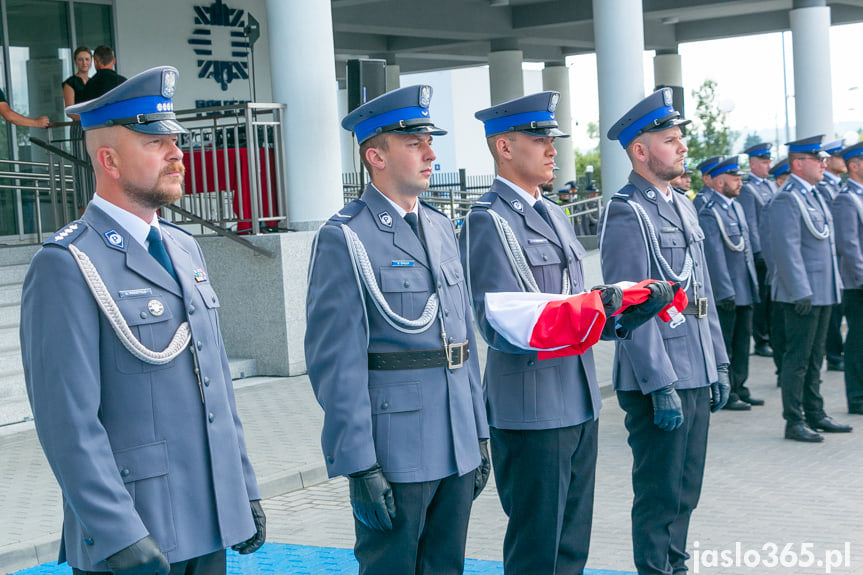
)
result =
(546, 133)
(432, 129)
(674, 122)
(160, 127)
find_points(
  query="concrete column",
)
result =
(619, 33)
(505, 76)
(555, 76)
(668, 72)
(303, 78)
(810, 38)
(347, 142)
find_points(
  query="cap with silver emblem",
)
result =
(652, 114)
(810, 145)
(142, 103)
(402, 111)
(533, 114)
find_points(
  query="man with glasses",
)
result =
(806, 284)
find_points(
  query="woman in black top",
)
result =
(75, 83)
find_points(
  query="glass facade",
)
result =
(38, 38)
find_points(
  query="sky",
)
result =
(748, 73)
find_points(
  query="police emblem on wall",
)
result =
(220, 43)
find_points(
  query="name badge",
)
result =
(402, 263)
(537, 241)
(135, 292)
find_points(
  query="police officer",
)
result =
(683, 182)
(134, 405)
(668, 378)
(780, 173)
(848, 220)
(830, 186)
(806, 284)
(390, 352)
(543, 409)
(704, 193)
(756, 193)
(728, 248)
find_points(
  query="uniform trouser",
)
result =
(777, 335)
(801, 363)
(853, 300)
(210, 564)
(833, 346)
(666, 478)
(761, 316)
(736, 329)
(429, 530)
(545, 480)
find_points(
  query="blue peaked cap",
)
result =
(403, 111)
(708, 164)
(729, 165)
(780, 167)
(761, 150)
(834, 148)
(853, 151)
(652, 114)
(143, 103)
(533, 114)
(811, 146)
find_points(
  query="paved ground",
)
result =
(759, 490)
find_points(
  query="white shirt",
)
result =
(806, 185)
(400, 210)
(137, 228)
(529, 198)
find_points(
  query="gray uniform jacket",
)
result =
(732, 273)
(418, 424)
(702, 196)
(659, 355)
(848, 221)
(522, 391)
(804, 265)
(830, 186)
(135, 449)
(754, 196)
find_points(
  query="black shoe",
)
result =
(800, 432)
(752, 401)
(737, 405)
(763, 349)
(827, 425)
(856, 410)
(835, 365)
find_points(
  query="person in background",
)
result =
(683, 182)
(830, 187)
(106, 78)
(14, 117)
(74, 84)
(704, 193)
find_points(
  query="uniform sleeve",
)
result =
(764, 237)
(336, 346)
(749, 203)
(785, 230)
(624, 257)
(60, 349)
(714, 251)
(846, 222)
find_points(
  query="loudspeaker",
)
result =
(367, 79)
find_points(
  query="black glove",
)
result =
(661, 294)
(667, 409)
(803, 306)
(612, 297)
(372, 499)
(480, 475)
(720, 390)
(759, 259)
(726, 304)
(140, 558)
(254, 542)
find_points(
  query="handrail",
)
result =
(220, 231)
(57, 151)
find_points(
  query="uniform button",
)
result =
(457, 275)
(143, 315)
(213, 299)
(88, 540)
(530, 362)
(407, 284)
(206, 381)
(330, 459)
(385, 405)
(191, 309)
(451, 339)
(438, 285)
(570, 259)
(211, 417)
(446, 313)
(125, 472)
(199, 345)
(643, 380)
(545, 258)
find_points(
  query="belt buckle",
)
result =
(459, 349)
(702, 307)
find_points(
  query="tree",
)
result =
(710, 134)
(589, 158)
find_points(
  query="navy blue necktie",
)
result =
(543, 211)
(413, 221)
(158, 251)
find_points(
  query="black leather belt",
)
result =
(697, 308)
(453, 357)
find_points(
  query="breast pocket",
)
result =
(148, 318)
(673, 245)
(397, 424)
(406, 289)
(545, 262)
(452, 272)
(211, 302)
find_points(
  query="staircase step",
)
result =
(10, 363)
(10, 295)
(12, 387)
(9, 338)
(242, 368)
(14, 410)
(13, 274)
(10, 314)
(11, 255)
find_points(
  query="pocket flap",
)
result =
(208, 294)
(406, 279)
(395, 398)
(673, 239)
(452, 271)
(542, 254)
(144, 310)
(142, 462)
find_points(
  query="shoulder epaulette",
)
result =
(624, 193)
(678, 190)
(486, 200)
(66, 235)
(347, 213)
(433, 208)
(175, 226)
(709, 205)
